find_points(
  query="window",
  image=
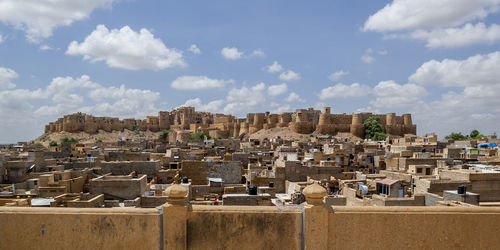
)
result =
(419, 170)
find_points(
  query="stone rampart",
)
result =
(303, 121)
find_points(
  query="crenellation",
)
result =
(303, 121)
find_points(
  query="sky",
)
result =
(436, 59)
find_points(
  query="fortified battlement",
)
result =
(303, 121)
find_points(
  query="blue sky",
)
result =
(131, 58)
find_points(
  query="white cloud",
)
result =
(437, 21)
(382, 52)
(368, 110)
(289, 75)
(335, 76)
(126, 49)
(198, 82)
(213, 106)
(24, 112)
(416, 14)
(194, 49)
(231, 53)
(258, 53)
(471, 102)
(281, 109)
(38, 18)
(393, 95)
(1, 38)
(45, 47)
(275, 90)
(474, 71)
(6, 76)
(469, 34)
(294, 97)
(341, 90)
(275, 67)
(243, 100)
(367, 58)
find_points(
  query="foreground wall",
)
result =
(237, 227)
(76, 228)
(243, 228)
(405, 227)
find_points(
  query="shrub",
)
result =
(71, 140)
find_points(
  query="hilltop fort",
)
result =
(302, 121)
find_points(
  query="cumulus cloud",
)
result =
(416, 14)
(258, 53)
(24, 112)
(425, 20)
(341, 90)
(289, 75)
(198, 82)
(469, 34)
(231, 53)
(45, 47)
(471, 98)
(294, 97)
(6, 76)
(393, 95)
(274, 68)
(213, 106)
(275, 90)
(335, 76)
(38, 18)
(278, 109)
(473, 71)
(245, 99)
(368, 56)
(194, 49)
(126, 49)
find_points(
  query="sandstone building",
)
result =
(303, 121)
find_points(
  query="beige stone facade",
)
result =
(303, 121)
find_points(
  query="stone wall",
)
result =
(315, 226)
(76, 228)
(411, 228)
(303, 121)
(263, 227)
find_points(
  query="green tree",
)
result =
(379, 136)
(474, 134)
(456, 136)
(373, 129)
(53, 144)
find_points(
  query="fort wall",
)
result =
(303, 121)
